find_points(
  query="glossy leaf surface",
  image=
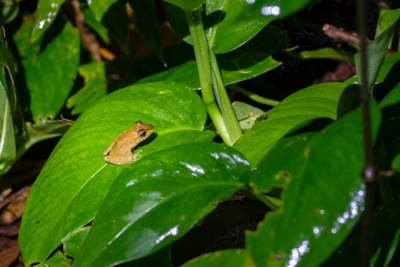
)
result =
(323, 193)
(49, 74)
(376, 50)
(184, 4)
(46, 12)
(242, 64)
(237, 258)
(317, 101)
(168, 192)
(146, 23)
(235, 22)
(76, 178)
(386, 220)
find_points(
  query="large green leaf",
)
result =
(236, 22)
(146, 23)
(168, 192)
(242, 64)
(376, 50)
(112, 14)
(69, 190)
(46, 12)
(317, 101)
(49, 65)
(184, 4)
(7, 138)
(386, 221)
(233, 257)
(323, 193)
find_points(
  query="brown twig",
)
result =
(339, 34)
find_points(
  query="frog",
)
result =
(119, 152)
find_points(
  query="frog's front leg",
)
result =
(123, 158)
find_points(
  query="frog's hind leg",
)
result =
(120, 159)
(111, 145)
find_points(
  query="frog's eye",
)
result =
(142, 133)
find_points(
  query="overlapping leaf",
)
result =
(49, 74)
(318, 101)
(76, 178)
(376, 50)
(168, 192)
(323, 193)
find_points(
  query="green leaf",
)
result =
(50, 73)
(246, 114)
(232, 257)
(58, 259)
(99, 82)
(323, 193)
(317, 101)
(91, 21)
(95, 87)
(73, 241)
(7, 138)
(46, 12)
(242, 64)
(236, 22)
(386, 221)
(9, 10)
(184, 4)
(396, 163)
(112, 14)
(146, 23)
(168, 193)
(324, 53)
(177, 113)
(376, 50)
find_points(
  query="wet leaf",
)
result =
(317, 101)
(7, 137)
(73, 241)
(49, 74)
(177, 113)
(235, 22)
(232, 257)
(46, 12)
(168, 193)
(323, 193)
(386, 221)
(242, 64)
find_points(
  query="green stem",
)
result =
(252, 96)
(271, 202)
(228, 113)
(202, 56)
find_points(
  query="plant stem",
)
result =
(202, 56)
(228, 113)
(252, 96)
(369, 173)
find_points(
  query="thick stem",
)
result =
(369, 173)
(204, 69)
(228, 113)
(252, 96)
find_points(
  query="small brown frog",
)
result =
(120, 150)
